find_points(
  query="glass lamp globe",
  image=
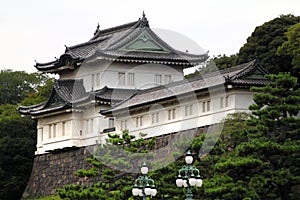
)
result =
(144, 169)
(189, 158)
(179, 181)
(141, 193)
(148, 190)
(153, 192)
(185, 183)
(135, 191)
(192, 181)
(199, 182)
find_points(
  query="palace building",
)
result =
(127, 77)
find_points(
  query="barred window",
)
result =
(121, 77)
(158, 78)
(131, 79)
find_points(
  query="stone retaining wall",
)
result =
(54, 170)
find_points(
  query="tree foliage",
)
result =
(276, 50)
(17, 146)
(41, 94)
(18, 134)
(16, 85)
(291, 47)
(113, 184)
(264, 42)
(263, 163)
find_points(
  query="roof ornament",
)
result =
(144, 22)
(97, 29)
(67, 48)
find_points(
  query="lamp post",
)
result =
(144, 185)
(189, 176)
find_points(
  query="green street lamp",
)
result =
(144, 185)
(189, 176)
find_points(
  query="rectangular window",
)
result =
(92, 125)
(123, 125)
(63, 131)
(226, 101)
(111, 122)
(221, 102)
(171, 114)
(158, 78)
(168, 79)
(86, 130)
(186, 111)
(121, 77)
(208, 105)
(54, 130)
(131, 79)
(155, 118)
(203, 106)
(40, 135)
(50, 131)
(141, 121)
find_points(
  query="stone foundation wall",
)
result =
(54, 170)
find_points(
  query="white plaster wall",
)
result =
(96, 76)
(243, 99)
(238, 101)
(81, 129)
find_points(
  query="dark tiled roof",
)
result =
(114, 94)
(64, 94)
(68, 94)
(235, 75)
(70, 90)
(150, 57)
(108, 44)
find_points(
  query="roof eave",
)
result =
(65, 62)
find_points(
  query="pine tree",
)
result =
(265, 164)
(114, 184)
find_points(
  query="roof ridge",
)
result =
(245, 68)
(113, 29)
(86, 43)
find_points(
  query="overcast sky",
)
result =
(38, 29)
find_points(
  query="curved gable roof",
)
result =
(131, 42)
